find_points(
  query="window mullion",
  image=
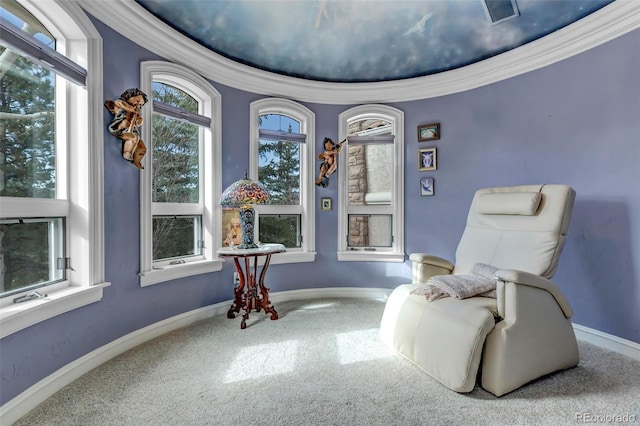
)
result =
(56, 249)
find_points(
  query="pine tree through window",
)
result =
(29, 247)
(279, 174)
(282, 160)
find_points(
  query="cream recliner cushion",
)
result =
(427, 333)
(520, 336)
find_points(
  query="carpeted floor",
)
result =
(321, 363)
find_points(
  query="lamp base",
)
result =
(246, 225)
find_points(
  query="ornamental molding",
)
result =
(607, 23)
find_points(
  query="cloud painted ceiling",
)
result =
(360, 40)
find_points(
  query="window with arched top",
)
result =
(51, 162)
(371, 176)
(282, 139)
(180, 185)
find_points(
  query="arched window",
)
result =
(181, 180)
(371, 171)
(51, 162)
(281, 157)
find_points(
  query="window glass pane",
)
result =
(176, 161)
(29, 252)
(280, 228)
(174, 97)
(369, 127)
(279, 161)
(370, 165)
(279, 171)
(278, 122)
(370, 174)
(27, 145)
(176, 236)
(21, 18)
(370, 230)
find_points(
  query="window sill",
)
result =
(19, 316)
(370, 256)
(168, 273)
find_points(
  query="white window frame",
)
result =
(80, 173)
(210, 105)
(395, 253)
(306, 252)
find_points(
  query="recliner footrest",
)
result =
(444, 338)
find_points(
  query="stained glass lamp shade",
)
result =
(244, 194)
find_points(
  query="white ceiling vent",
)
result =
(500, 10)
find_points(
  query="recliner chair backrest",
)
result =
(516, 227)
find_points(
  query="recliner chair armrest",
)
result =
(431, 260)
(532, 280)
(425, 266)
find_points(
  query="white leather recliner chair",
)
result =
(521, 335)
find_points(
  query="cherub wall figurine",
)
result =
(126, 120)
(328, 158)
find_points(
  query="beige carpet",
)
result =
(321, 363)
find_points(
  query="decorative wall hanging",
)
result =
(126, 121)
(426, 187)
(429, 132)
(329, 163)
(427, 159)
(325, 204)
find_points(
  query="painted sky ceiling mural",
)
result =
(363, 40)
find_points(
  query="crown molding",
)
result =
(608, 23)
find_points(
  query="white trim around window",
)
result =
(78, 40)
(395, 253)
(210, 104)
(306, 118)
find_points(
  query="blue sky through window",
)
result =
(18, 22)
(279, 122)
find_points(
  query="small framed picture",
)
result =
(325, 203)
(429, 132)
(427, 159)
(426, 187)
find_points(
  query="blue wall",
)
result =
(575, 122)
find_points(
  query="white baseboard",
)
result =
(607, 341)
(39, 392)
